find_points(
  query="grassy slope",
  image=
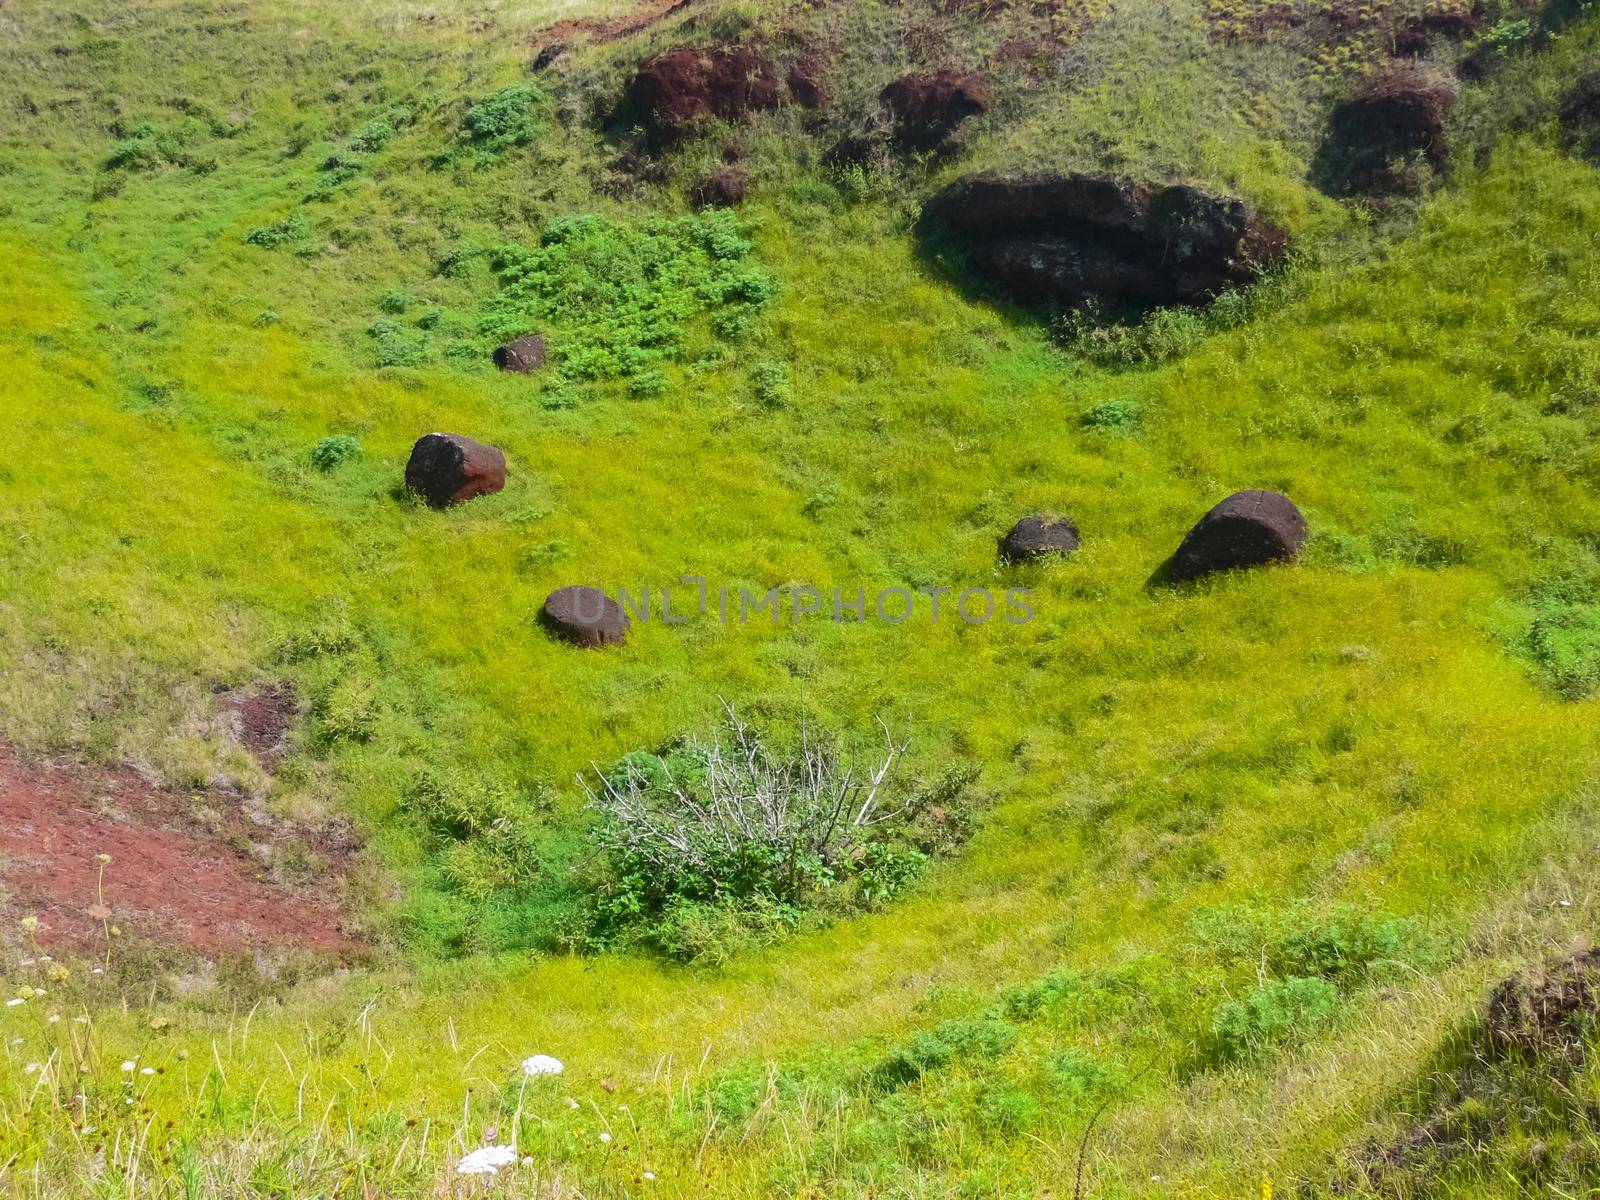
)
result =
(1352, 729)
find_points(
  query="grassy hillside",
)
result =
(1248, 854)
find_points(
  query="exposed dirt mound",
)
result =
(259, 720)
(1528, 1046)
(1416, 34)
(1546, 1010)
(808, 82)
(720, 189)
(1070, 238)
(928, 109)
(1580, 117)
(1379, 138)
(185, 871)
(679, 89)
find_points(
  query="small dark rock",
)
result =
(1377, 138)
(446, 468)
(928, 109)
(1245, 530)
(1039, 537)
(523, 356)
(679, 89)
(720, 189)
(584, 616)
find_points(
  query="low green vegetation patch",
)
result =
(617, 299)
(708, 847)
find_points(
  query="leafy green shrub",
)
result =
(1342, 945)
(647, 385)
(395, 301)
(486, 837)
(1509, 35)
(622, 298)
(1277, 1011)
(951, 1041)
(712, 845)
(501, 120)
(396, 346)
(772, 384)
(1113, 416)
(292, 228)
(1556, 627)
(345, 712)
(332, 452)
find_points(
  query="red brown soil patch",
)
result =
(174, 879)
(609, 29)
(259, 721)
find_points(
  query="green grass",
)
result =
(1399, 727)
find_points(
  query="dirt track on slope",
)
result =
(182, 874)
(609, 29)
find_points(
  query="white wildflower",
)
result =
(486, 1160)
(147, 1070)
(605, 1137)
(32, 1068)
(14, 1001)
(527, 1162)
(128, 1064)
(541, 1064)
(650, 1176)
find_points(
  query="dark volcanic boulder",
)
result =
(1070, 238)
(584, 616)
(1580, 117)
(446, 468)
(522, 356)
(677, 90)
(720, 189)
(1038, 537)
(1378, 137)
(927, 109)
(1245, 530)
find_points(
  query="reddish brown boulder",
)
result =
(681, 88)
(1377, 139)
(584, 616)
(1069, 238)
(1245, 530)
(446, 468)
(1039, 537)
(720, 189)
(522, 356)
(928, 109)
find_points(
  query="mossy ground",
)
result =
(1401, 722)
